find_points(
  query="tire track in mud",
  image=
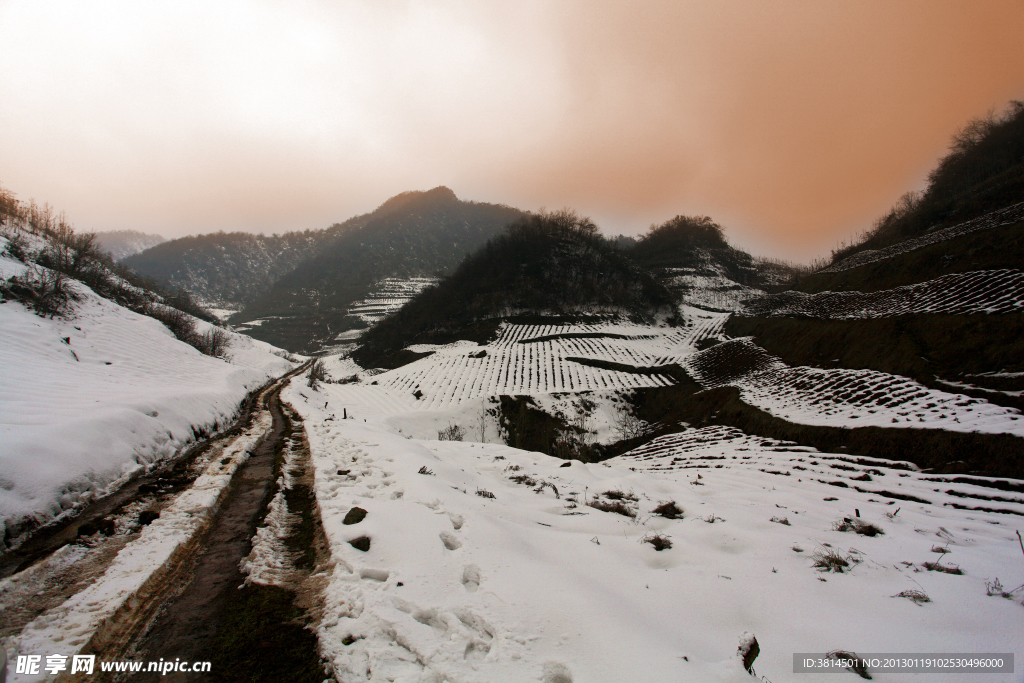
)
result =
(251, 628)
(63, 558)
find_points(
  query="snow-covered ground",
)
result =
(716, 292)
(89, 400)
(486, 563)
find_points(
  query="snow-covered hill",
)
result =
(90, 399)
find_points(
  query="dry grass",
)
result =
(915, 596)
(616, 506)
(858, 527)
(829, 560)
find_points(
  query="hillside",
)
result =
(691, 256)
(121, 244)
(94, 392)
(946, 309)
(548, 264)
(227, 270)
(415, 234)
(982, 172)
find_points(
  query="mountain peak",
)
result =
(414, 198)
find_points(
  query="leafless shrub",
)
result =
(424, 470)
(629, 426)
(712, 518)
(47, 292)
(616, 506)
(215, 342)
(317, 374)
(181, 325)
(857, 526)
(451, 433)
(547, 484)
(996, 588)
(659, 541)
(618, 494)
(524, 479)
(17, 244)
(669, 510)
(484, 494)
(945, 569)
(780, 520)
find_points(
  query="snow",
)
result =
(89, 401)
(528, 585)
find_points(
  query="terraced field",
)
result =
(841, 397)
(995, 219)
(980, 292)
(893, 482)
(388, 296)
(537, 359)
(708, 291)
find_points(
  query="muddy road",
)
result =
(249, 631)
(251, 624)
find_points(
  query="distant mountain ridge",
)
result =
(227, 269)
(414, 234)
(123, 243)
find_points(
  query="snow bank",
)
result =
(87, 401)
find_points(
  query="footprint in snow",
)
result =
(450, 540)
(556, 672)
(471, 577)
(457, 520)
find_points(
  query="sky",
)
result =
(794, 124)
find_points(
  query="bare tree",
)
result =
(317, 374)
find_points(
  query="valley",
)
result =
(450, 441)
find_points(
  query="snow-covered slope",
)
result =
(485, 563)
(537, 359)
(986, 291)
(995, 219)
(87, 401)
(841, 397)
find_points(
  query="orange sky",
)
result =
(794, 124)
